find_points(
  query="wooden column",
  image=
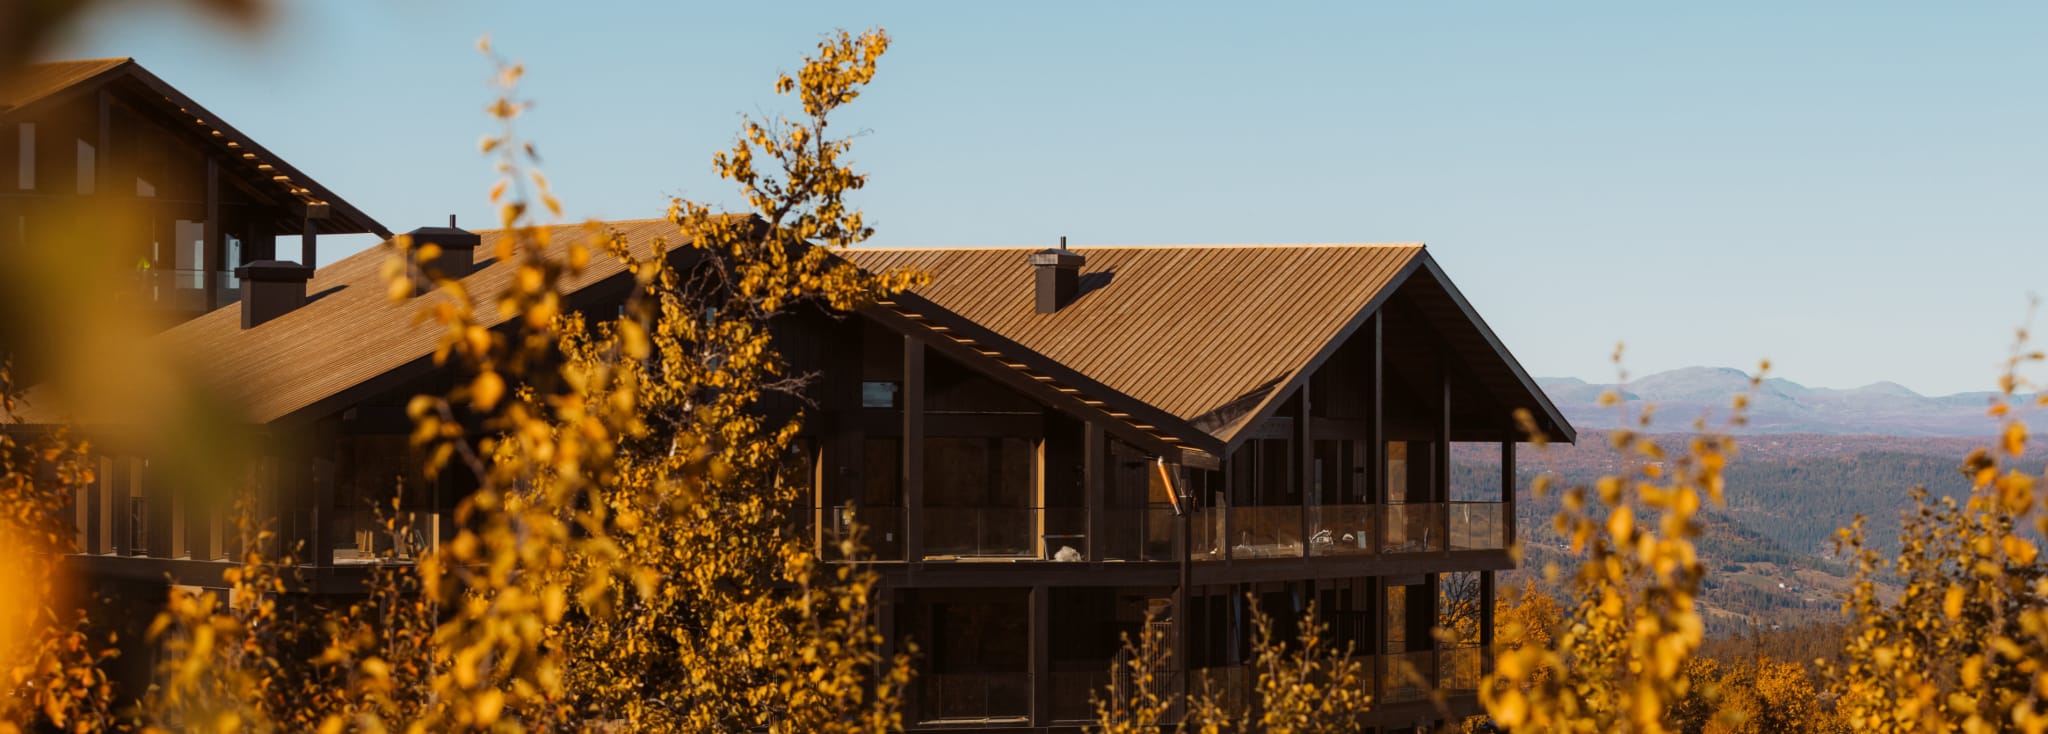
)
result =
(211, 251)
(1432, 590)
(913, 449)
(1486, 596)
(1183, 612)
(1228, 526)
(1376, 601)
(117, 518)
(1041, 655)
(1507, 490)
(1376, 443)
(181, 541)
(309, 243)
(103, 509)
(1095, 486)
(1305, 454)
(1442, 457)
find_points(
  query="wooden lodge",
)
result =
(1048, 448)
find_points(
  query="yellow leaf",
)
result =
(485, 391)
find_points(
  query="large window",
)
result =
(977, 496)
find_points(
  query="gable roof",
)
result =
(350, 341)
(33, 82)
(36, 84)
(1160, 342)
(1213, 337)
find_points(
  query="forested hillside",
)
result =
(1769, 550)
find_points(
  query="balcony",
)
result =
(1151, 533)
(975, 697)
(1058, 534)
(1349, 530)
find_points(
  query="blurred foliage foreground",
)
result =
(630, 561)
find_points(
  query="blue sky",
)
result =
(1854, 190)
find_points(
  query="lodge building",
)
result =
(1048, 447)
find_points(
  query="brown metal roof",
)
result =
(1163, 339)
(325, 354)
(1190, 331)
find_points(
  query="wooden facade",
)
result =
(1190, 434)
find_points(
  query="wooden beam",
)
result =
(1507, 490)
(210, 252)
(1486, 592)
(1376, 442)
(913, 448)
(1095, 486)
(1305, 458)
(1041, 654)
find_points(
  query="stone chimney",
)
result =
(271, 288)
(458, 253)
(1059, 276)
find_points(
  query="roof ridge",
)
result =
(1199, 246)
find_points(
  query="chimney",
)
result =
(271, 288)
(1059, 276)
(458, 253)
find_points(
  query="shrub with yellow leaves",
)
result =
(633, 558)
(49, 661)
(1964, 645)
(1304, 684)
(1617, 662)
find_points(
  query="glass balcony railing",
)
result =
(1409, 676)
(975, 696)
(1411, 528)
(1342, 530)
(1348, 530)
(1152, 534)
(1141, 534)
(880, 535)
(1478, 525)
(981, 532)
(1460, 668)
(1265, 532)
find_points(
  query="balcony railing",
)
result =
(1348, 530)
(1152, 533)
(976, 696)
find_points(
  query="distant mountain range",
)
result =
(1779, 405)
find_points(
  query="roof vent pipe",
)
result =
(1059, 276)
(271, 288)
(457, 258)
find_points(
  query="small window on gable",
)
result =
(88, 163)
(878, 394)
(25, 173)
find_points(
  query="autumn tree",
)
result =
(1617, 660)
(48, 657)
(1963, 644)
(633, 558)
